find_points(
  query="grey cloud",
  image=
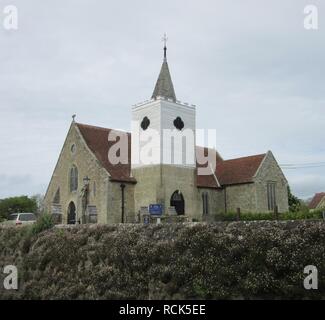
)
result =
(255, 74)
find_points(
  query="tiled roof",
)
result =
(97, 141)
(206, 181)
(240, 170)
(234, 171)
(316, 200)
(228, 172)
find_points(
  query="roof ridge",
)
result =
(100, 128)
(246, 157)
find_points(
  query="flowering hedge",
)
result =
(236, 260)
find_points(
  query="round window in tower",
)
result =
(145, 123)
(179, 123)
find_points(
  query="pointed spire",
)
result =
(164, 86)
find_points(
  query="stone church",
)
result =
(87, 186)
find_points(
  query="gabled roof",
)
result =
(97, 141)
(234, 171)
(316, 200)
(228, 172)
(164, 86)
(240, 170)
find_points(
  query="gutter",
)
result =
(131, 181)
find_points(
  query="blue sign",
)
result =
(156, 209)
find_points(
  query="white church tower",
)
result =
(163, 148)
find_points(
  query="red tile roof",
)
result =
(206, 181)
(240, 170)
(228, 172)
(97, 141)
(234, 171)
(316, 200)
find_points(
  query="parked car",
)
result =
(21, 218)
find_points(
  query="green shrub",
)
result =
(44, 222)
(301, 215)
(232, 216)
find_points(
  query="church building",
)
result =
(88, 185)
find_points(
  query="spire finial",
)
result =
(73, 117)
(165, 39)
(164, 85)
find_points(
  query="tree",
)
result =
(294, 202)
(17, 204)
(39, 200)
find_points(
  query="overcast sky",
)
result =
(253, 70)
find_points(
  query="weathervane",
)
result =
(73, 117)
(165, 39)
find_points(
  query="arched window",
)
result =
(271, 200)
(57, 197)
(73, 178)
(205, 203)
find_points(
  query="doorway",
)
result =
(177, 201)
(72, 213)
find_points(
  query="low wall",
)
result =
(236, 260)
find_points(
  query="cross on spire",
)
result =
(165, 39)
(164, 85)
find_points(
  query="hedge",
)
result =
(232, 216)
(236, 260)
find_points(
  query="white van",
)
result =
(21, 218)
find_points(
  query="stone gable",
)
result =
(75, 152)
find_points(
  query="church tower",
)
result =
(163, 148)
